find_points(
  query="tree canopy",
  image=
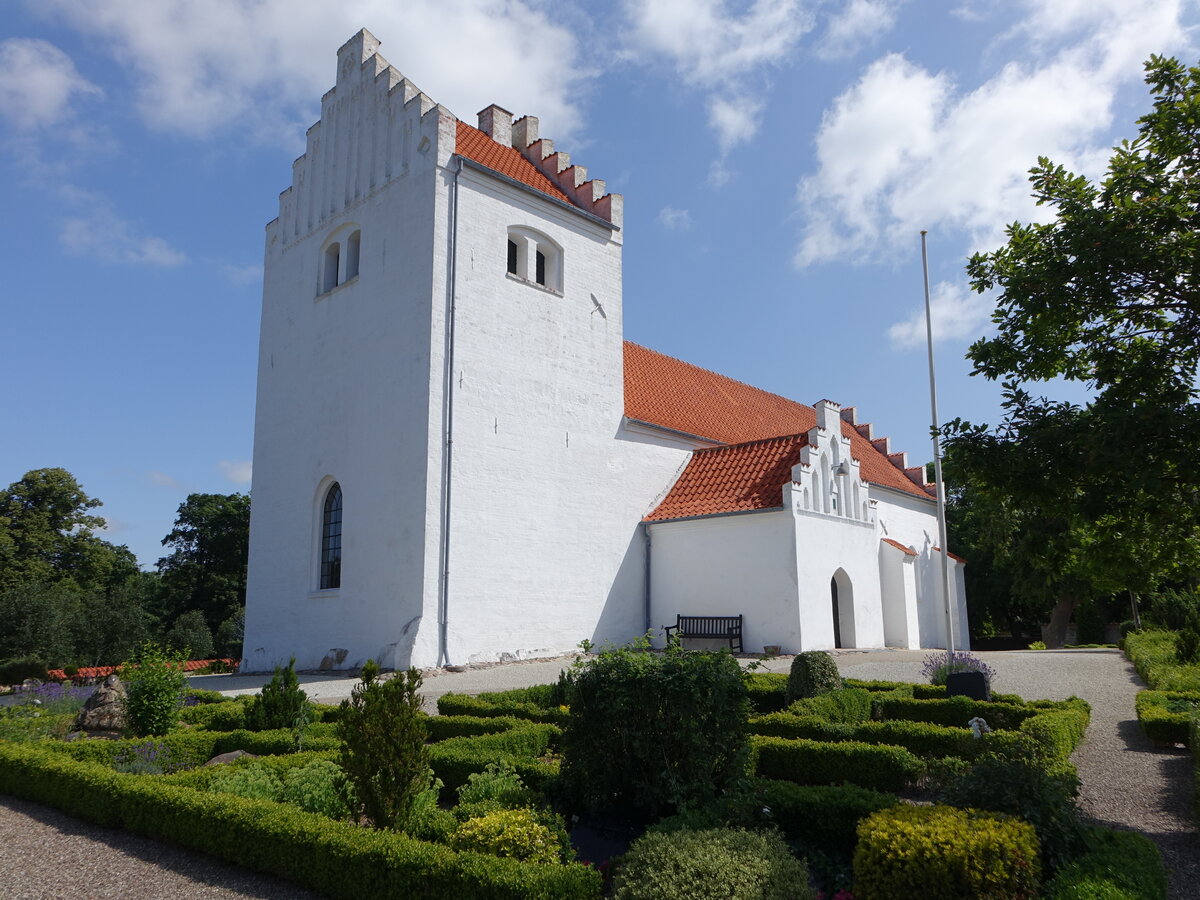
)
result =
(1101, 496)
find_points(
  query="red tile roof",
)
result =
(732, 478)
(476, 145)
(908, 551)
(667, 392)
(86, 672)
(953, 556)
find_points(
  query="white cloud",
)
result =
(674, 219)
(236, 471)
(242, 275)
(719, 50)
(856, 24)
(38, 81)
(97, 231)
(162, 479)
(905, 148)
(955, 313)
(202, 67)
(114, 526)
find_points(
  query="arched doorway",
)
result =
(842, 595)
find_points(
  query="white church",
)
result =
(459, 458)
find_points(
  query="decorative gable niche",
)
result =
(827, 480)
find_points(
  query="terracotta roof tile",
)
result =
(476, 145)
(953, 556)
(899, 546)
(667, 392)
(733, 478)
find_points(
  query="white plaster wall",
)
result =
(825, 544)
(344, 383)
(726, 565)
(548, 492)
(898, 588)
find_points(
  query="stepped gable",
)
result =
(475, 145)
(668, 393)
(732, 478)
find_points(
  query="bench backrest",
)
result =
(718, 626)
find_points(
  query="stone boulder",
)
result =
(104, 711)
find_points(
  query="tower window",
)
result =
(331, 539)
(333, 256)
(535, 258)
(352, 249)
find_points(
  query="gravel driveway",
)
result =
(1127, 781)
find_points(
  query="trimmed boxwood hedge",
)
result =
(455, 759)
(334, 858)
(1159, 721)
(884, 768)
(767, 691)
(1118, 865)
(1152, 653)
(822, 816)
(954, 712)
(921, 738)
(500, 704)
(441, 728)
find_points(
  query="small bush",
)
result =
(654, 733)
(937, 666)
(1187, 645)
(821, 816)
(1116, 865)
(253, 782)
(485, 705)
(280, 704)
(318, 787)
(497, 787)
(383, 745)
(882, 768)
(942, 853)
(1023, 788)
(813, 672)
(954, 712)
(1038, 645)
(847, 705)
(15, 671)
(154, 681)
(715, 864)
(767, 691)
(513, 833)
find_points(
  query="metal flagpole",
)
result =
(937, 461)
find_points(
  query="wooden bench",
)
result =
(712, 628)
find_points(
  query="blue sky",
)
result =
(778, 159)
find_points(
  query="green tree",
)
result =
(46, 535)
(1094, 498)
(206, 569)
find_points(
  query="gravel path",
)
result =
(1127, 781)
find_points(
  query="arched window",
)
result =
(534, 257)
(352, 247)
(333, 256)
(331, 539)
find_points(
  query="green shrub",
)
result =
(1164, 715)
(847, 705)
(1187, 645)
(813, 672)
(227, 716)
(1152, 653)
(454, 760)
(929, 692)
(253, 782)
(202, 697)
(512, 833)
(821, 816)
(335, 859)
(942, 853)
(281, 703)
(877, 687)
(486, 705)
(443, 727)
(882, 768)
(154, 682)
(954, 712)
(920, 738)
(318, 787)
(715, 864)
(1172, 610)
(1023, 788)
(767, 691)
(498, 785)
(15, 671)
(383, 745)
(654, 732)
(1116, 865)
(190, 636)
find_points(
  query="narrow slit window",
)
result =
(331, 539)
(352, 251)
(332, 260)
(512, 257)
(540, 274)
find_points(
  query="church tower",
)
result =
(439, 386)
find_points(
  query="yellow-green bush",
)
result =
(711, 864)
(942, 853)
(1117, 865)
(1164, 715)
(1153, 654)
(512, 833)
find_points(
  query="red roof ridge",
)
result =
(908, 551)
(953, 556)
(766, 440)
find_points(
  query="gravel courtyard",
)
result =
(1127, 781)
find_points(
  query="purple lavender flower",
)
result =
(937, 666)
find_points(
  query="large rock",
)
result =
(104, 711)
